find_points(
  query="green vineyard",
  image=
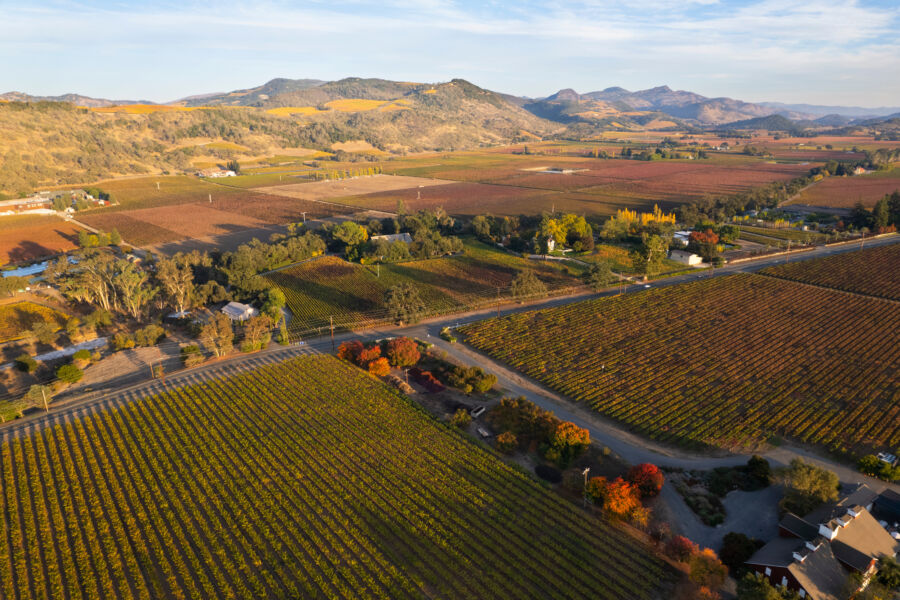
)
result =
(304, 479)
(329, 287)
(872, 271)
(727, 361)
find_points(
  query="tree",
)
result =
(404, 304)
(367, 355)
(526, 285)
(807, 486)
(115, 239)
(648, 258)
(69, 373)
(284, 337)
(681, 548)
(133, 287)
(257, 333)
(759, 471)
(123, 341)
(217, 335)
(350, 234)
(177, 280)
(275, 301)
(567, 442)
(881, 213)
(755, 586)
(233, 165)
(26, 363)
(39, 395)
(44, 332)
(192, 356)
(647, 478)
(706, 570)
(599, 275)
(350, 351)
(507, 442)
(622, 500)
(403, 352)
(737, 548)
(889, 572)
(149, 335)
(380, 367)
(461, 418)
(704, 243)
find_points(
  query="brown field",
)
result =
(28, 237)
(229, 214)
(844, 192)
(464, 198)
(325, 190)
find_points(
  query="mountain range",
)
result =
(614, 107)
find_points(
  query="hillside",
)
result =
(48, 143)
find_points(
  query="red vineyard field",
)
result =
(872, 271)
(726, 362)
(305, 479)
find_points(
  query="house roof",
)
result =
(802, 528)
(820, 574)
(862, 541)
(237, 310)
(861, 495)
(394, 237)
(777, 553)
(887, 506)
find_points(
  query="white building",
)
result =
(393, 237)
(684, 257)
(239, 312)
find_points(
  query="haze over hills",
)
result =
(67, 144)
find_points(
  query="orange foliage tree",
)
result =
(403, 352)
(622, 500)
(707, 571)
(568, 441)
(350, 351)
(380, 367)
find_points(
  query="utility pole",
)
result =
(157, 186)
(210, 198)
(44, 394)
(331, 318)
(584, 494)
(304, 216)
(498, 301)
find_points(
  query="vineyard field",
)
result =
(724, 362)
(872, 271)
(331, 287)
(845, 192)
(27, 237)
(301, 479)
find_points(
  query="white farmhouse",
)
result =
(684, 257)
(237, 311)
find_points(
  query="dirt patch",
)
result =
(325, 190)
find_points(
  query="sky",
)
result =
(834, 52)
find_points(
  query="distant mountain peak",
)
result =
(565, 95)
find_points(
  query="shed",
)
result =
(685, 258)
(237, 311)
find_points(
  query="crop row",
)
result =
(726, 362)
(301, 479)
(872, 271)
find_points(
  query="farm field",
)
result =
(319, 289)
(845, 192)
(301, 479)
(17, 318)
(872, 271)
(27, 237)
(783, 234)
(224, 215)
(741, 358)
(327, 190)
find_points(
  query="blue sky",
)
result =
(816, 51)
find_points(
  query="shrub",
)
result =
(426, 380)
(191, 355)
(403, 352)
(26, 363)
(123, 341)
(461, 418)
(380, 367)
(69, 373)
(149, 335)
(681, 548)
(647, 478)
(98, 318)
(469, 379)
(44, 332)
(81, 358)
(507, 442)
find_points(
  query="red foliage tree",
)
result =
(350, 351)
(681, 549)
(647, 478)
(403, 352)
(380, 367)
(368, 355)
(704, 237)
